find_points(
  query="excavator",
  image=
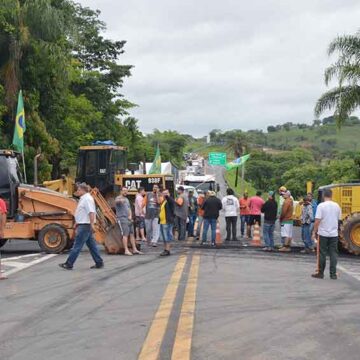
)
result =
(47, 216)
(348, 197)
(103, 166)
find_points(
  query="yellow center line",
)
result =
(153, 341)
(183, 339)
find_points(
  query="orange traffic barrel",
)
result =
(256, 240)
(218, 240)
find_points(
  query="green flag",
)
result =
(20, 127)
(237, 162)
(156, 165)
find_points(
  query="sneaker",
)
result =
(165, 253)
(66, 266)
(318, 276)
(203, 243)
(154, 244)
(97, 266)
(265, 249)
(285, 249)
(213, 244)
(333, 277)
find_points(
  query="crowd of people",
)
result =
(157, 214)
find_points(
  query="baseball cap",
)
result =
(282, 189)
(271, 193)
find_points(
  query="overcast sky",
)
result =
(205, 64)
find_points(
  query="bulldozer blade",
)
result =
(113, 241)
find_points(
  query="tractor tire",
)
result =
(53, 239)
(3, 242)
(350, 234)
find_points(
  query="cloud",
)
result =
(207, 64)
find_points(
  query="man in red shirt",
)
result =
(245, 215)
(3, 212)
(255, 205)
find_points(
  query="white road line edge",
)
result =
(20, 267)
(355, 275)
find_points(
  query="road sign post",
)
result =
(217, 159)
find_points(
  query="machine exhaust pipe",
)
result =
(36, 169)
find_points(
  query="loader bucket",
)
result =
(113, 241)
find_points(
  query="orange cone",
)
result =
(256, 240)
(218, 240)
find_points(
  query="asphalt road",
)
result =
(199, 303)
(243, 304)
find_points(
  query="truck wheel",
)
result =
(2, 242)
(53, 239)
(350, 234)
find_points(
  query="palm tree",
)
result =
(23, 21)
(344, 98)
(237, 143)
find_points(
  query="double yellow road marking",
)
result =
(182, 346)
(183, 339)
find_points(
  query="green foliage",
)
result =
(345, 98)
(171, 145)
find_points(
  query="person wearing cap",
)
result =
(212, 206)
(306, 218)
(85, 219)
(287, 221)
(181, 212)
(314, 205)
(192, 212)
(282, 191)
(270, 215)
(125, 220)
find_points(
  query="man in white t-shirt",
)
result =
(230, 205)
(328, 215)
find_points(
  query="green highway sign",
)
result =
(217, 158)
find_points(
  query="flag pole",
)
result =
(23, 160)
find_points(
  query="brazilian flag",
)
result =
(156, 165)
(237, 162)
(20, 127)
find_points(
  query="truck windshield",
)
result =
(118, 158)
(204, 186)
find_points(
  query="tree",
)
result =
(271, 129)
(22, 22)
(345, 97)
(237, 143)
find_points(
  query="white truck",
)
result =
(202, 182)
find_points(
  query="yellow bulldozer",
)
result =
(36, 213)
(348, 197)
